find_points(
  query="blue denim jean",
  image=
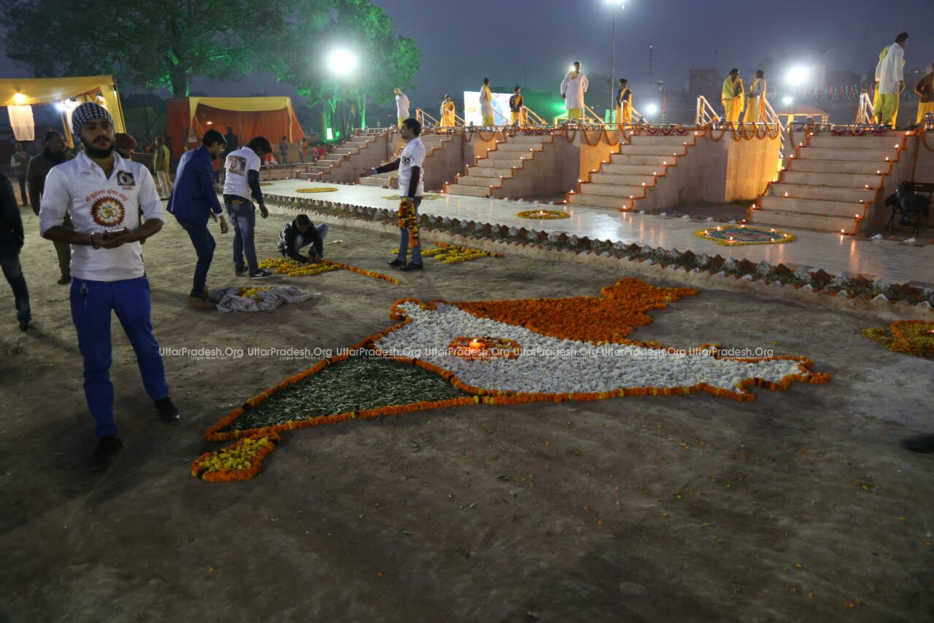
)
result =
(404, 241)
(13, 271)
(91, 305)
(204, 245)
(243, 219)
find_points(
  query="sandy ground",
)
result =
(800, 506)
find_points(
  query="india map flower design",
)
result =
(573, 348)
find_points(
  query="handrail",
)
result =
(704, 113)
(534, 115)
(595, 117)
(865, 113)
(421, 115)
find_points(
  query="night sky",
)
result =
(532, 42)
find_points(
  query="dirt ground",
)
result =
(800, 506)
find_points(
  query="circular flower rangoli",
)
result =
(734, 235)
(543, 214)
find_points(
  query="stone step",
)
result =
(631, 169)
(839, 180)
(819, 207)
(804, 221)
(612, 190)
(621, 180)
(654, 149)
(829, 193)
(497, 154)
(380, 181)
(653, 161)
(478, 180)
(519, 147)
(524, 139)
(837, 166)
(600, 201)
(668, 141)
(499, 163)
(862, 155)
(489, 171)
(472, 191)
(878, 143)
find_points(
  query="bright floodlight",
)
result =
(617, 3)
(788, 100)
(342, 62)
(19, 98)
(797, 76)
(651, 109)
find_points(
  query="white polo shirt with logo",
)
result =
(238, 165)
(413, 155)
(100, 204)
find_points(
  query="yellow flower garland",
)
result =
(252, 293)
(453, 254)
(321, 189)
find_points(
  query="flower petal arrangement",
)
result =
(910, 337)
(549, 349)
(543, 214)
(736, 235)
(454, 254)
(292, 268)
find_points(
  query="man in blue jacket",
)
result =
(193, 202)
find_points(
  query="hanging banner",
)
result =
(24, 126)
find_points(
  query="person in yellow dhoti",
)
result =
(890, 81)
(624, 103)
(448, 110)
(731, 96)
(517, 108)
(925, 91)
(573, 87)
(402, 106)
(486, 104)
(755, 100)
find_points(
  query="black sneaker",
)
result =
(922, 443)
(412, 266)
(24, 325)
(396, 263)
(240, 271)
(105, 453)
(261, 274)
(167, 411)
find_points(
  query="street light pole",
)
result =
(612, 60)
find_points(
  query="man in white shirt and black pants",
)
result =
(242, 179)
(104, 194)
(411, 187)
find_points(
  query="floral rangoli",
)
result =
(736, 235)
(558, 349)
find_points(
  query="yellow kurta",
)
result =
(755, 104)
(448, 110)
(731, 96)
(624, 108)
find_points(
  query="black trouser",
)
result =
(22, 189)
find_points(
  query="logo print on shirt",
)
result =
(107, 212)
(125, 178)
(406, 160)
(237, 165)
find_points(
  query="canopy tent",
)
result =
(18, 94)
(189, 118)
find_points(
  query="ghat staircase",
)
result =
(628, 180)
(434, 143)
(504, 162)
(831, 183)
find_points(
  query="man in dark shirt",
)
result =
(516, 106)
(11, 241)
(301, 233)
(53, 154)
(232, 141)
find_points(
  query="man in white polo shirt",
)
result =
(411, 188)
(242, 180)
(104, 194)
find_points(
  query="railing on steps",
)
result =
(422, 116)
(865, 113)
(534, 116)
(594, 117)
(704, 113)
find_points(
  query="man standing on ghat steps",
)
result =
(104, 193)
(573, 88)
(890, 81)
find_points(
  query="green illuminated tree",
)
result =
(151, 43)
(315, 28)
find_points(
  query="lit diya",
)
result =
(483, 348)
